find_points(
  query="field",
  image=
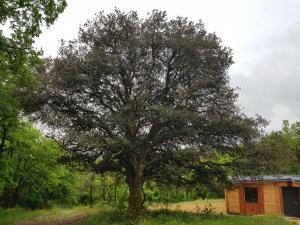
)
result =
(218, 205)
(173, 214)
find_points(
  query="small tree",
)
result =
(147, 98)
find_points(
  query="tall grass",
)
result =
(167, 217)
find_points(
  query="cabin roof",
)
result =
(266, 178)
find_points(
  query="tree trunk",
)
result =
(6, 198)
(135, 184)
(115, 192)
(15, 197)
(3, 139)
(91, 198)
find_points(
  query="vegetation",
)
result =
(30, 172)
(183, 218)
(137, 111)
(8, 216)
(149, 100)
(285, 144)
(109, 216)
(18, 58)
(13, 215)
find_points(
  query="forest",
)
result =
(134, 116)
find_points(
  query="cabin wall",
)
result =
(272, 200)
(233, 201)
(249, 208)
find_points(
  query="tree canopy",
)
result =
(25, 18)
(147, 98)
(18, 58)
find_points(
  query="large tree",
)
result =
(148, 98)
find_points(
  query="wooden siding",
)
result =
(247, 208)
(272, 202)
(270, 199)
(233, 201)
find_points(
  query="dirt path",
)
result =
(69, 220)
(295, 220)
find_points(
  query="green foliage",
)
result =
(18, 58)
(30, 173)
(284, 149)
(158, 193)
(281, 154)
(291, 133)
(25, 19)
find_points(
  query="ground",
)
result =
(172, 214)
(52, 221)
(55, 216)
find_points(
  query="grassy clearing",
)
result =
(8, 216)
(194, 206)
(168, 217)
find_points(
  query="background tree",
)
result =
(18, 58)
(276, 144)
(291, 135)
(149, 99)
(283, 147)
(30, 173)
(25, 19)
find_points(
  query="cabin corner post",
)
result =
(226, 199)
(261, 200)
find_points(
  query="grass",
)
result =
(168, 217)
(172, 214)
(184, 213)
(12, 215)
(8, 216)
(194, 206)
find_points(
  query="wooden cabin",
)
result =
(277, 195)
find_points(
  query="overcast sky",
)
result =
(264, 36)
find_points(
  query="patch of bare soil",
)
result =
(52, 221)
